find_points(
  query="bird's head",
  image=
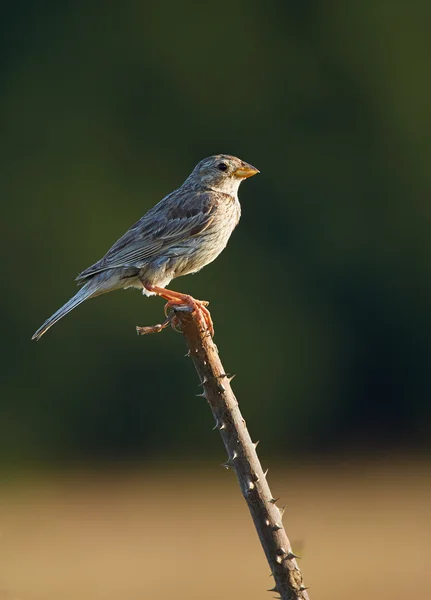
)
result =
(221, 173)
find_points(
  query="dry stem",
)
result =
(242, 457)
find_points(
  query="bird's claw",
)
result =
(197, 306)
(180, 302)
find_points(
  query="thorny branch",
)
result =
(242, 456)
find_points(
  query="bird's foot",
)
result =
(177, 299)
(199, 307)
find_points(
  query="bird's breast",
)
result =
(202, 249)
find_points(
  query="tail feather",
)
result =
(87, 291)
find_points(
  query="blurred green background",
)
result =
(321, 301)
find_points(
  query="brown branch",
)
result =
(242, 456)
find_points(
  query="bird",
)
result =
(181, 234)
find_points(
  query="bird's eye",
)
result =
(222, 166)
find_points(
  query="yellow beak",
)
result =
(245, 171)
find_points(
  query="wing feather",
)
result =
(174, 220)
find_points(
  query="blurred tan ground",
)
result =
(363, 531)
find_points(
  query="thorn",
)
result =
(250, 486)
(302, 588)
(256, 443)
(229, 463)
(221, 387)
(203, 395)
(274, 500)
(277, 527)
(274, 589)
(230, 377)
(216, 426)
(290, 555)
(266, 473)
(280, 553)
(204, 381)
(222, 426)
(282, 509)
(187, 355)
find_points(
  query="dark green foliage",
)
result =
(322, 299)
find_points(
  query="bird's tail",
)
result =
(88, 290)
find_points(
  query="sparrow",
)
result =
(181, 234)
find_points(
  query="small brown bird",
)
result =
(181, 234)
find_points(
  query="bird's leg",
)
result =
(178, 299)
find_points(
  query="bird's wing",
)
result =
(175, 219)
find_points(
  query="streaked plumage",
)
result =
(181, 234)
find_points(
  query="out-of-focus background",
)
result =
(322, 301)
